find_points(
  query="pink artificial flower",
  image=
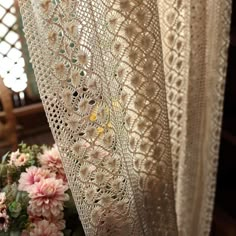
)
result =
(13, 157)
(33, 175)
(45, 228)
(62, 176)
(60, 224)
(21, 160)
(2, 198)
(57, 220)
(47, 198)
(4, 221)
(51, 160)
(32, 217)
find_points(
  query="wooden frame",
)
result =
(8, 136)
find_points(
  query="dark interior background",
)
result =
(224, 218)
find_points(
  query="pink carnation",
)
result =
(60, 224)
(32, 175)
(47, 198)
(45, 228)
(58, 220)
(51, 160)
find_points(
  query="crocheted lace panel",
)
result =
(99, 68)
(100, 74)
(195, 38)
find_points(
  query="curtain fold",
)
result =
(195, 38)
(133, 92)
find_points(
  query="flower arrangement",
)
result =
(35, 199)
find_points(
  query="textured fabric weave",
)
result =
(195, 38)
(110, 74)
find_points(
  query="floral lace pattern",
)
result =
(175, 42)
(106, 87)
(195, 37)
(99, 70)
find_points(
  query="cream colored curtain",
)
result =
(133, 91)
(195, 37)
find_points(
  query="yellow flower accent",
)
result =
(93, 116)
(109, 125)
(100, 130)
(116, 105)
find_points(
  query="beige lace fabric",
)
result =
(195, 38)
(110, 73)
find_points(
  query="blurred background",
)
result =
(22, 117)
(21, 112)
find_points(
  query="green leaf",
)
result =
(15, 209)
(3, 170)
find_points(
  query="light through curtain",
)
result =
(130, 87)
(15, 68)
(11, 60)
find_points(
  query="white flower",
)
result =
(14, 156)
(2, 198)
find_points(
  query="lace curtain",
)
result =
(133, 92)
